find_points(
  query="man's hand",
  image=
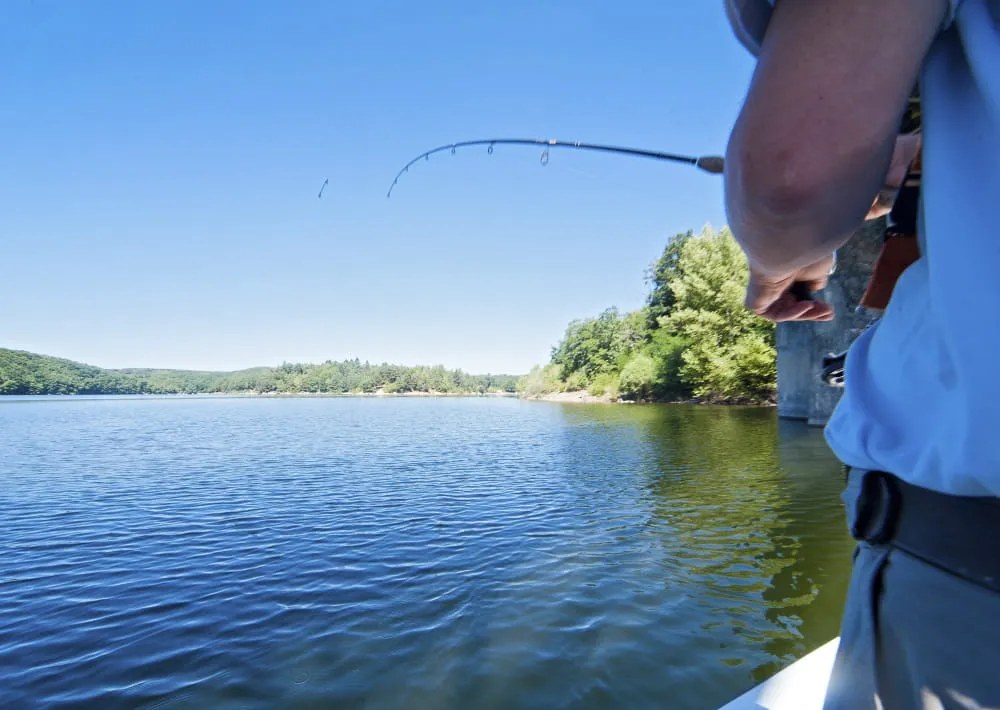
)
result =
(769, 296)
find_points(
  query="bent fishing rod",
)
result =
(709, 163)
(713, 164)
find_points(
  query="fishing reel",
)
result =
(833, 369)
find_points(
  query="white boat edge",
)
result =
(800, 686)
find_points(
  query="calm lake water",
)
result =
(408, 553)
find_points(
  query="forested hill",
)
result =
(28, 373)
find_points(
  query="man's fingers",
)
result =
(819, 312)
(763, 296)
(785, 307)
(775, 300)
(819, 283)
(783, 310)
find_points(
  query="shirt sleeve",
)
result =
(749, 19)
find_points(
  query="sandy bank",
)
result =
(581, 397)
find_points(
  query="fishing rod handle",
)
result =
(801, 291)
(714, 164)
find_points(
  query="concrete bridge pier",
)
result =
(801, 346)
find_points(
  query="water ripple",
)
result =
(338, 553)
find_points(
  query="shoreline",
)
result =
(584, 397)
(270, 394)
(575, 397)
(366, 394)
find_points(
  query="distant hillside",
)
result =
(28, 373)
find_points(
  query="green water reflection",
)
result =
(746, 510)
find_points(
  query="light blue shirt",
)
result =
(922, 386)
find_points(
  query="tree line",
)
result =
(24, 373)
(692, 339)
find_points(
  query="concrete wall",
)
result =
(795, 369)
(801, 346)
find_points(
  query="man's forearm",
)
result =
(811, 147)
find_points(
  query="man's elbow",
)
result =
(778, 184)
(786, 205)
(777, 205)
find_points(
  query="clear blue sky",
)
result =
(160, 163)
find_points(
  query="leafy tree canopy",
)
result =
(693, 337)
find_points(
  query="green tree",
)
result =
(731, 353)
(693, 337)
(638, 377)
(604, 385)
(635, 331)
(541, 380)
(666, 349)
(599, 346)
(659, 276)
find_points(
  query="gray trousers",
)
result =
(915, 637)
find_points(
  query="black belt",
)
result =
(959, 534)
